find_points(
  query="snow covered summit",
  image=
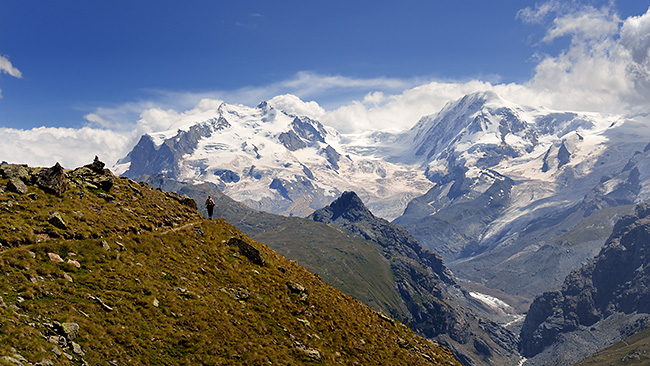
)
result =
(273, 161)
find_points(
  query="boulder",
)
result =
(53, 180)
(57, 221)
(70, 330)
(76, 349)
(14, 171)
(74, 263)
(93, 177)
(248, 251)
(16, 185)
(96, 166)
(55, 257)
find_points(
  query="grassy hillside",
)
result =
(102, 270)
(634, 350)
(351, 264)
(385, 274)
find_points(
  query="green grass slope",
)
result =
(351, 264)
(101, 270)
(383, 274)
(634, 350)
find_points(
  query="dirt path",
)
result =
(180, 227)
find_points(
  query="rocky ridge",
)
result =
(600, 303)
(137, 276)
(428, 289)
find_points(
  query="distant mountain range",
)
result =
(512, 197)
(273, 161)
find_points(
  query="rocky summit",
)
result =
(98, 269)
(431, 298)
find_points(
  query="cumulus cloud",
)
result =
(605, 68)
(68, 146)
(293, 105)
(331, 91)
(398, 111)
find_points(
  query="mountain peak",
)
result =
(348, 207)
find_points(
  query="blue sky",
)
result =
(76, 56)
(101, 64)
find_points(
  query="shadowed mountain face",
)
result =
(349, 212)
(101, 270)
(425, 286)
(603, 302)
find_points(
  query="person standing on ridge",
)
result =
(209, 204)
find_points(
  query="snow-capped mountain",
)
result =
(511, 196)
(522, 195)
(273, 161)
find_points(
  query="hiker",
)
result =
(209, 204)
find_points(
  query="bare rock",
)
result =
(183, 199)
(295, 287)
(248, 251)
(8, 360)
(105, 245)
(76, 349)
(57, 221)
(70, 330)
(53, 180)
(96, 166)
(74, 262)
(55, 257)
(14, 171)
(16, 185)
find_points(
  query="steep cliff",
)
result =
(601, 303)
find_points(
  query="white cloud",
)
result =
(587, 23)
(7, 68)
(70, 147)
(398, 111)
(605, 68)
(292, 104)
(331, 91)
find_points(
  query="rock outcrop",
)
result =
(608, 298)
(424, 284)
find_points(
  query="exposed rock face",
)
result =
(423, 282)
(616, 284)
(53, 180)
(16, 185)
(248, 251)
(183, 199)
(147, 159)
(56, 220)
